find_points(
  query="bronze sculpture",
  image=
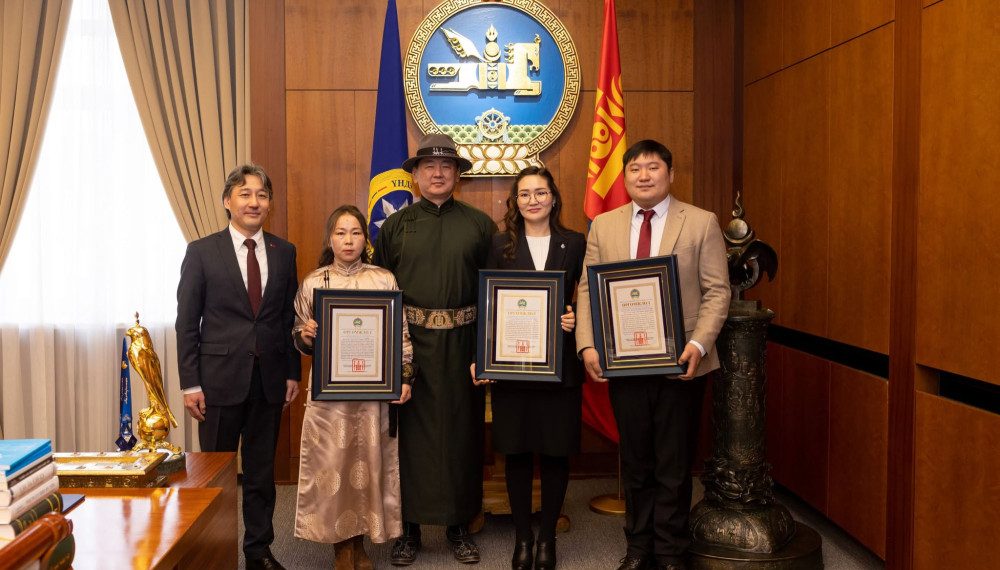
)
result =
(739, 524)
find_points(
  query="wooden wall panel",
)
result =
(957, 204)
(804, 197)
(656, 43)
(668, 118)
(718, 138)
(569, 158)
(957, 475)
(322, 162)
(763, 151)
(805, 426)
(860, 190)
(332, 45)
(761, 39)
(851, 18)
(805, 29)
(859, 439)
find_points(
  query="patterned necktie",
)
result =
(645, 234)
(253, 276)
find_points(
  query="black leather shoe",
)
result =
(631, 562)
(522, 554)
(404, 550)
(267, 562)
(462, 545)
(545, 558)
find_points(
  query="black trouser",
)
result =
(256, 422)
(658, 422)
(554, 471)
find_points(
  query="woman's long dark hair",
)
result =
(513, 222)
(326, 255)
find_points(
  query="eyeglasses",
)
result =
(538, 195)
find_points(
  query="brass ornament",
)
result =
(155, 420)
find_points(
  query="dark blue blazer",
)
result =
(218, 336)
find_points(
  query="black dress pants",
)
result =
(658, 421)
(256, 423)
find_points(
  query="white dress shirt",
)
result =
(241, 254)
(657, 223)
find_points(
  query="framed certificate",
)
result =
(358, 349)
(520, 336)
(636, 311)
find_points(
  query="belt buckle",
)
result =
(440, 320)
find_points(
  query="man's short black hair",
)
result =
(648, 147)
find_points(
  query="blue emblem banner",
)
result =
(390, 188)
(126, 439)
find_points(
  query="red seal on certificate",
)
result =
(357, 365)
(640, 338)
(522, 346)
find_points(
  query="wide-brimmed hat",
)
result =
(437, 145)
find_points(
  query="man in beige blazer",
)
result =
(658, 416)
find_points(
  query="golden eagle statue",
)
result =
(155, 420)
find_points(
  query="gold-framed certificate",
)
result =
(359, 344)
(520, 336)
(637, 319)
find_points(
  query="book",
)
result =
(59, 557)
(52, 503)
(29, 500)
(32, 479)
(6, 482)
(17, 454)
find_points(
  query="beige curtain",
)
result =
(31, 39)
(187, 64)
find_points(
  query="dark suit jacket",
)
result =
(565, 254)
(217, 333)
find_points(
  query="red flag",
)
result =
(605, 185)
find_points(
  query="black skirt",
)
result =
(528, 418)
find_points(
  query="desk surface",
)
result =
(184, 524)
(140, 528)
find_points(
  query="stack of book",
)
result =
(29, 488)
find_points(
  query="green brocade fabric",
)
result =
(436, 253)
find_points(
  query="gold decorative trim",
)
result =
(496, 159)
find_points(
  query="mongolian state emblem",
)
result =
(502, 78)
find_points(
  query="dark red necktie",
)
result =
(253, 275)
(645, 234)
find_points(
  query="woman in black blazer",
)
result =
(529, 418)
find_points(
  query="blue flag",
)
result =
(126, 440)
(390, 187)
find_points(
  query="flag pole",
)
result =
(605, 191)
(610, 504)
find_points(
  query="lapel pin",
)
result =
(562, 245)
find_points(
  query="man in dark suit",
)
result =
(234, 345)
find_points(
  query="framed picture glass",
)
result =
(520, 336)
(636, 311)
(358, 350)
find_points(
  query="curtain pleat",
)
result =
(186, 63)
(31, 39)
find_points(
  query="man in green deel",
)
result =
(435, 248)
